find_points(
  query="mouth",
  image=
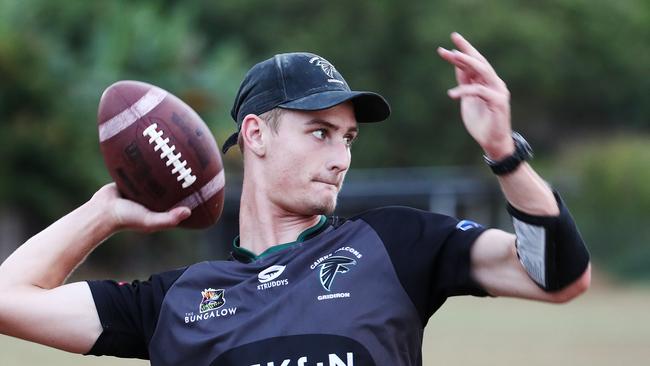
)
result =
(329, 183)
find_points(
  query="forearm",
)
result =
(34, 274)
(547, 245)
(528, 192)
(548, 242)
(48, 258)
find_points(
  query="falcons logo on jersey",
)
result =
(327, 67)
(331, 266)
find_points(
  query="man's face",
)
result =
(308, 158)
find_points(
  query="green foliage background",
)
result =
(578, 70)
(613, 201)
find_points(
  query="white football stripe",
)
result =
(205, 193)
(128, 116)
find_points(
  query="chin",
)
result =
(326, 207)
(327, 210)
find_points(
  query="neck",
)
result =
(263, 224)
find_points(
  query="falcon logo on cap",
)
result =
(327, 68)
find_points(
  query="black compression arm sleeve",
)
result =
(550, 247)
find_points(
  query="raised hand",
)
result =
(484, 98)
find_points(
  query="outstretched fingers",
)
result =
(483, 71)
(466, 47)
(462, 76)
(471, 68)
(489, 95)
(485, 99)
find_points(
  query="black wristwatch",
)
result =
(523, 152)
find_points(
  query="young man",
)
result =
(304, 288)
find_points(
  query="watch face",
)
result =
(522, 146)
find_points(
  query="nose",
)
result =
(339, 157)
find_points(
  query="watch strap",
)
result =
(522, 152)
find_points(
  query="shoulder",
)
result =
(168, 278)
(407, 231)
(153, 289)
(407, 222)
(394, 211)
(430, 253)
(129, 312)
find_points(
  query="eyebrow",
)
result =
(322, 122)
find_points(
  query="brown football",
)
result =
(159, 151)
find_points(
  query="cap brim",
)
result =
(368, 106)
(230, 142)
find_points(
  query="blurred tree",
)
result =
(572, 65)
(55, 60)
(576, 69)
(613, 202)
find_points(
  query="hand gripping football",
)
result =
(159, 152)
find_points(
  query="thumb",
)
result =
(161, 220)
(180, 213)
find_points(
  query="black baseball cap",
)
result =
(300, 81)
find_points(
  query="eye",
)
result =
(320, 134)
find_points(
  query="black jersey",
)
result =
(347, 292)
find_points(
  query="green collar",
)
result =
(307, 234)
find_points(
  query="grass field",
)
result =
(607, 326)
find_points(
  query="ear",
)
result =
(253, 129)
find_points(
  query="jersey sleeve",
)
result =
(129, 313)
(430, 253)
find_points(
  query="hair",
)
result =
(272, 118)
